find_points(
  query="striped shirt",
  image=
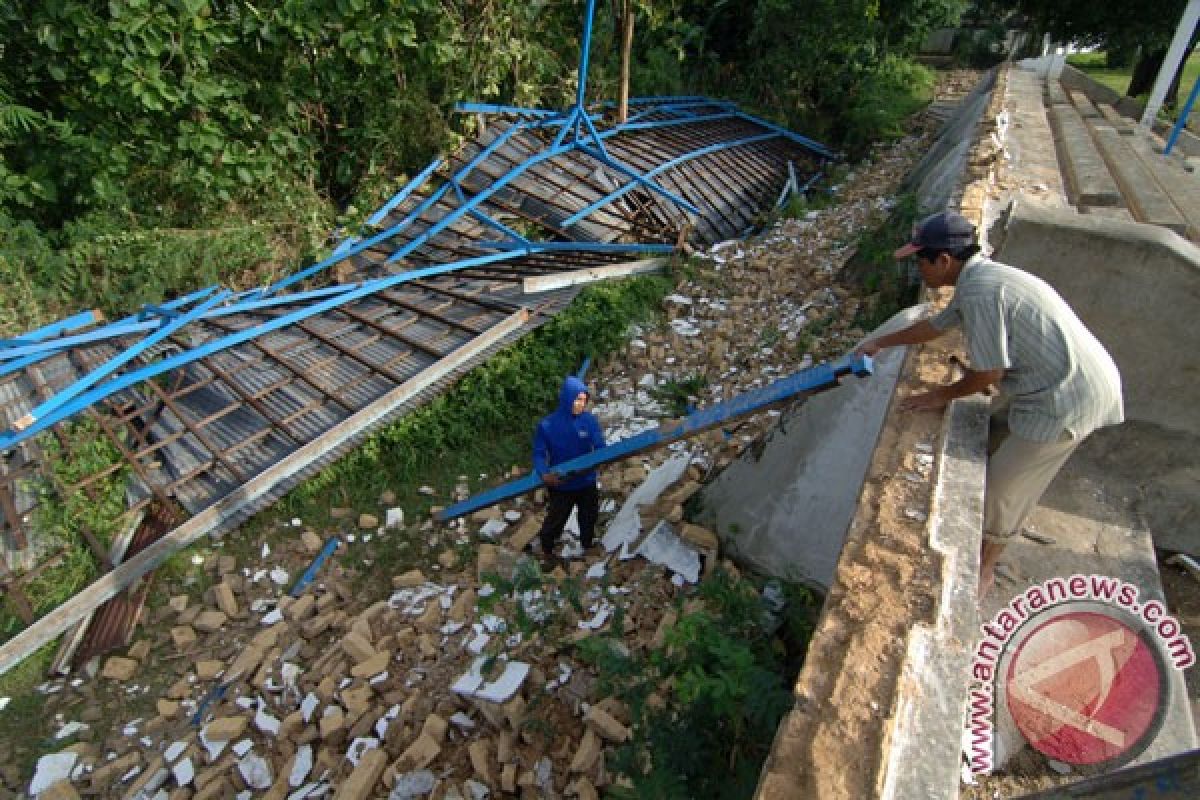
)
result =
(1057, 374)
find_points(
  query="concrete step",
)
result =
(1083, 104)
(1088, 180)
(1123, 125)
(1181, 186)
(1142, 193)
(1056, 95)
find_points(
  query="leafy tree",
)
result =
(1122, 28)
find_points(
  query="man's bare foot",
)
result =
(986, 580)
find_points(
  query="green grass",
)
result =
(1094, 64)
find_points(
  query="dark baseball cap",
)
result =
(945, 230)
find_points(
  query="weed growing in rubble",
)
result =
(719, 685)
(891, 285)
(678, 395)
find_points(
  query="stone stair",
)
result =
(1113, 167)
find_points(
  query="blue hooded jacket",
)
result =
(561, 436)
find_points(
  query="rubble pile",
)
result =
(462, 682)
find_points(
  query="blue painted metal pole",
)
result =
(493, 108)
(585, 55)
(582, 373)
(71, 323)
(311, 572)
(402, 195)
(124, 381)
(1181, 123)
(65, 395)
(661, 168)
(814, 379)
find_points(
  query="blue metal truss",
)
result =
(814, 379)
(574, 132)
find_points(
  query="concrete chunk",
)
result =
(361, 783)
(226, 602)
(117, 668)
(357, 647)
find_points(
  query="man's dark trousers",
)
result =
(561, 503)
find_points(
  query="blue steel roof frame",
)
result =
(576, 133)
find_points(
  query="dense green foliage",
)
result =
(191, 117)
(729, 678)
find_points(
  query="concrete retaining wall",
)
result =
(1136, 287)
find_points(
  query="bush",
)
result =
(884, 99)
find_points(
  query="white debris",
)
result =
(393, 518)
(279, 575)
(70, 729)
(184, 772)
(51, 769)
(360, 747)
(244, 746)
(626, 526)
(413, 785)
(462, 721)
(266, 549)
(473, 684)
(264, 721)
(493, 528)
(256, 771)
(174, 751)
(301, 766)
(512, 516)
(664, 547)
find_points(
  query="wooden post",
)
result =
(626, 19)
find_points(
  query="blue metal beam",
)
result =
(492, 108)
(64, 396)
(121, 382)
(814, 379)
(75, 322)
(703, 151)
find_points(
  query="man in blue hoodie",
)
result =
(567, 433)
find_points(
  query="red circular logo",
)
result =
(1086, 689)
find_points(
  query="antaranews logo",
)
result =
(1082, 668)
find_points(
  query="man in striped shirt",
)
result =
(1055, 378)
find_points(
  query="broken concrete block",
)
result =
(480, 754)
(226, 602)
(361, 783)
(210, 621)
(590, 748)
(166, 708)
(139, 650)
(357, 647)
(430, 619)
(311, 542)
(301, 608)
(414, 577)
(464, 606)
(420, 753)
(368, 522)
(583, 789)
(448, 559)
(63, 790)
(183, 636)
(208, 669)
(508, 778)
(358, 699)
(333, 721)
(435, 727)
(606, 724)
(224, 729)
(117, 668)
(372, 666)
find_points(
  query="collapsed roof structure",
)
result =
(220, 401)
